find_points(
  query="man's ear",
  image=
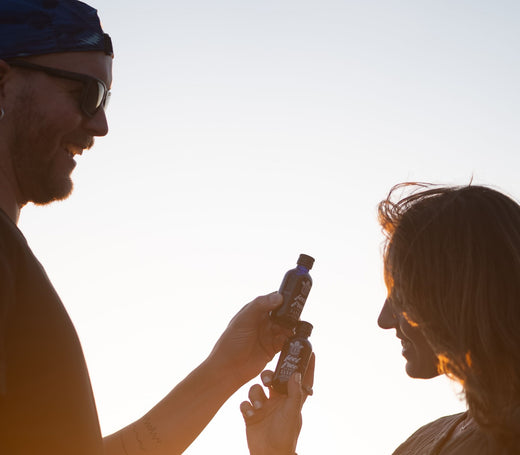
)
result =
(4, 72)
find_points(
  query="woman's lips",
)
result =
(406, 346)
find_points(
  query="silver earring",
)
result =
(2, 113)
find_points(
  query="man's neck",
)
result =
(8, 200)
(8, 194)
(9, 205)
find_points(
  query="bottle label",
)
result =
(298, 301)
(290, 362)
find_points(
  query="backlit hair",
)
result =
(452, 263)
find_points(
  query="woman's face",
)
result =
(421, 361)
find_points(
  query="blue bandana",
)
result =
(34, 27)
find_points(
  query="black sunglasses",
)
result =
(95, 93)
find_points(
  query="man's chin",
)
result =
(52, 194)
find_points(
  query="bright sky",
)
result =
(244, 133)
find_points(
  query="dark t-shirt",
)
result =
(46, 400)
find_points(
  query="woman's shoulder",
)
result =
(430, 436)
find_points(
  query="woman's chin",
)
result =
(418, 371)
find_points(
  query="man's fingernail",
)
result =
(250, 413)
(298, 378)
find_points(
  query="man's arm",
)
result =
(249, 342)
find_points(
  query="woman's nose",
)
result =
(386, 319)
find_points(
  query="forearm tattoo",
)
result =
(153, 435)
(138, 439)
(152, 430)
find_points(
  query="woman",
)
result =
(452, 269)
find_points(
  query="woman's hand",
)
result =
(273, 424)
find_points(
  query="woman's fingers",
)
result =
(267, 377)
(247, 410)
(257, 399)
(308, 379)
(299, 389)
(257, 396)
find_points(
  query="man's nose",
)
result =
(97, 125)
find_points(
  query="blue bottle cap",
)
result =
(306, 261)
(304, 328)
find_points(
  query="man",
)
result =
(55, 77)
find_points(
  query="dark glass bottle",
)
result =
(294, 357)
(295, 288)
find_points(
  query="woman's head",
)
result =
(452, 266)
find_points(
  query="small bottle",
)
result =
(295, 288)
(294, 357)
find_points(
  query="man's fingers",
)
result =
(261, 305)
(266, 303)
(269, 302)
(257, 309)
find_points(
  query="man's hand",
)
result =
(250, 341)
(273, 424)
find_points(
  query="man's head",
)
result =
(36, 27)
(55, 73)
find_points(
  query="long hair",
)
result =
(452, 261)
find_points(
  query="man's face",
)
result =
(47, 126)
(421, 361)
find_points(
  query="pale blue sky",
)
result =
(245, 133)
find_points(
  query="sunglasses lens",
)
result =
(93, 97)
(101, 94)
(107, 99)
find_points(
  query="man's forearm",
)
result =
(174, 423)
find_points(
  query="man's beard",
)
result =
(32, 164)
